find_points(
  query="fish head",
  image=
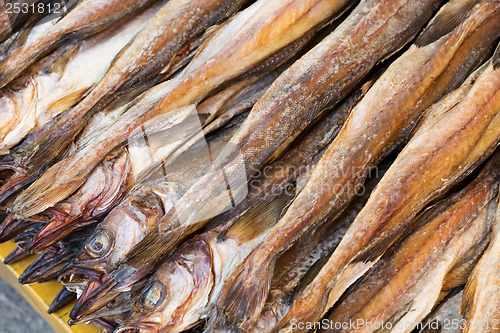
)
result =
(110, 241)
(177, 295)
(47, 266)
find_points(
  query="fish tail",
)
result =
(242, 298)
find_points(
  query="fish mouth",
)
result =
(46, 267)
(11, 227)
(77, 314)
(16, 255)
(77, 273)
(58, 228)
(62, 299)
(99, 294)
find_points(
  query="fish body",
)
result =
(196, 272)
(270, 187)
(120, 171)
(295, 267)
(136, 68)
(481, 299)
(87, 18)
(452, 145)
(63, 81)
(240, 41)
(378, 123)
(404, 285)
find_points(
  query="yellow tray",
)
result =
(39, 296)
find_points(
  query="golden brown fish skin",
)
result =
(206, 73)
(377, 124)
(122, 228)
(308, 79)
(88, 17)
(61, 80)
(406, 282)
(273, 181)
(178, 22)
(109, 181)
(281, 173)
(481, 301)
(445, 153)
(293, 266)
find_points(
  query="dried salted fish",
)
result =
(402, 288)
(61, 80)
(292, 102)
(170, 30)
(213, 255)
(452, 145)
(378, 123)
(87, 18)
(297, 266)
(481, 301)
(273, 181)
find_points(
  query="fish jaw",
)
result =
(106, 185)
(47, 265)
(11, 227)
(186, 280)
(63, 298)
(16, 255)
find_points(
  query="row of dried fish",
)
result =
(257, 166)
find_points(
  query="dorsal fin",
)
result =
(67, 101)
(495, 61)
(59, 65)
(468, 295)
(447, 19)
(260, 217)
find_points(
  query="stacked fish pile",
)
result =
(257, 166)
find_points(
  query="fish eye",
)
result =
(99, 244)
(152, 296)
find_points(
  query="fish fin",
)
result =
(242, 298)
(311, 273)
(259, 218)
(496, 58)
(468, 295)
(59, 64)
(65, 102)
(49, 189)
(395, 318)
(445, 21)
